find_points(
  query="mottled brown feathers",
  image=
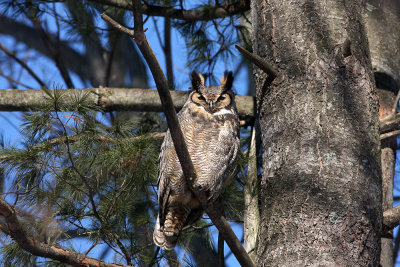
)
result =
(210, 125)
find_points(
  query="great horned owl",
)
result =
(210, 125)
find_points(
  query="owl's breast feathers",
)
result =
(210, 126)
(213, 143)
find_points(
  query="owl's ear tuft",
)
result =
(227, 80)
(197, 80)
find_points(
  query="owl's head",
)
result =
(212, 98)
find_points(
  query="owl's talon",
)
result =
(171, 232)
(210, 124)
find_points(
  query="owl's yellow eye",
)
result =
(200, 97)
(222, 97)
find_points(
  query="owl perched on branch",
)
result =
(210, 125)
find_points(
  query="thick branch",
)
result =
(259, 62)
(40, 249)
(110, 99)
(178, 139)
(391, 217)
(389, 134)
(209, 13)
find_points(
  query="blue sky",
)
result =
(10, 121)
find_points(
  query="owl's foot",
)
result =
(160, 239)
(171, 232)
(172, 226)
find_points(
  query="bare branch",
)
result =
(390, 122)
(110, 99)
(118, 26)
(168, 53)
(37, 248)
(221, 258)
(251, 208)
(78, 63)
(213, 210)
(389, 134)
(189, 15)
(91, 194)
(53, 47)
(259, 62)
(11, 80)
(391, 217)
(23, 64)
(396, 103)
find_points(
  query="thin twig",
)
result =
(393, 116)
(110, 57)
(91, 195)
(23, 64)
(153, 260)
(214, 12)
(14, 229)
(11, 80)
(396, 103)
(213, 210)
(54, 48)
(186, 250)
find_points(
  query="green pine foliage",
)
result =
(94, 179)
(85, 176)
(77, 177)
(14, 256)
(212, 41)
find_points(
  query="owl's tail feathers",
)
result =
(161, 240)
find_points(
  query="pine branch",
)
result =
(14, 229)
(110, 99)
(91, 196)
(180, 146)
(53, 47)
(210, 13)
(75, 62)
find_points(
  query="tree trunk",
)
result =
(383, 25)
(321, 183)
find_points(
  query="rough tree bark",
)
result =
(321, 184)
(383, 25)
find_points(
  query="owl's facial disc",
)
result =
(212, 103)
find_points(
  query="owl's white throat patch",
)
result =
(223, 112)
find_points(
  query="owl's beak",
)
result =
(211, 105)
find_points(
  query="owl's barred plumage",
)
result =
(210, 125)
